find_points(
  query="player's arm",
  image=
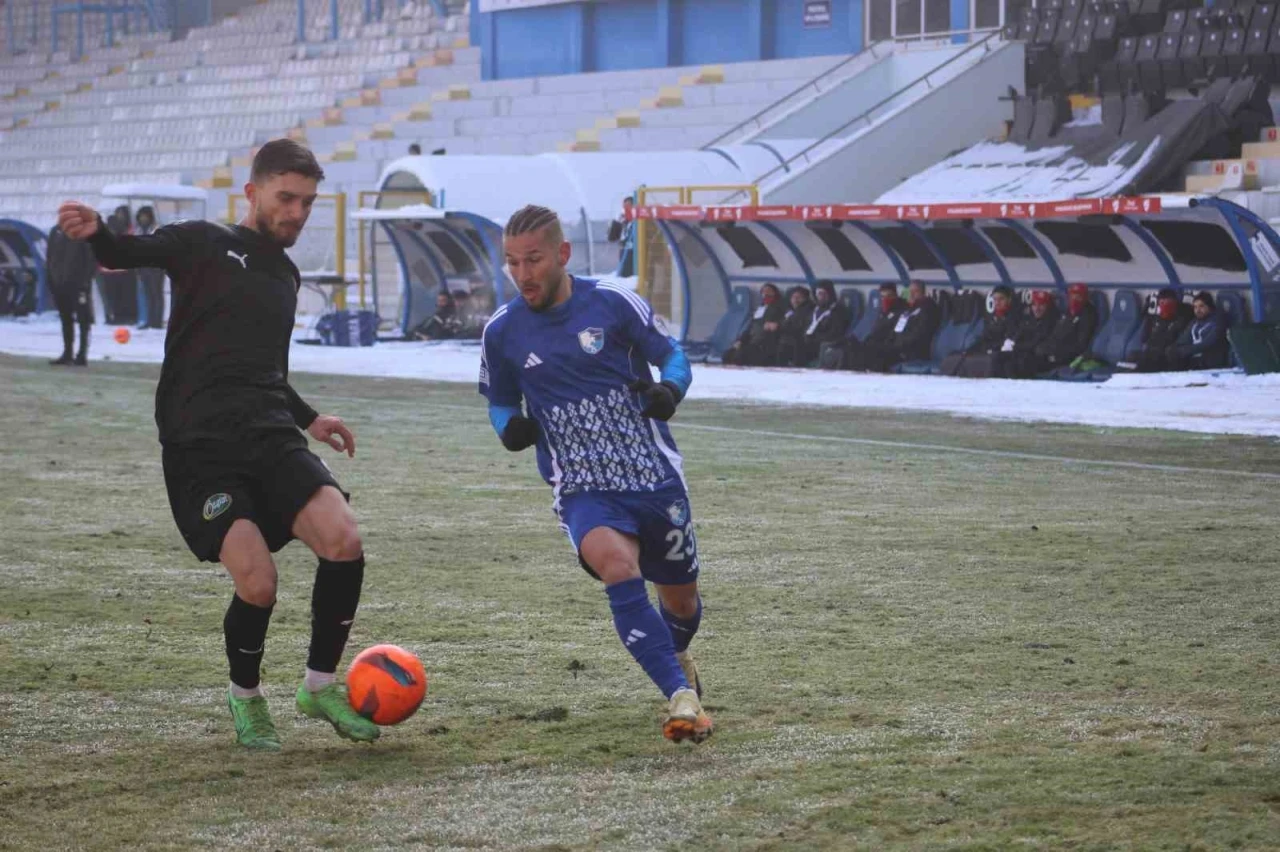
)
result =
(516, 431)
(499, 384)
(166, 248)
(323, 427)
(657, 400)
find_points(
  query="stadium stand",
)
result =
(181, 111)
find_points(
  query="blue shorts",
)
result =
(661, 520)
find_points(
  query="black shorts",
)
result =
(267, 481)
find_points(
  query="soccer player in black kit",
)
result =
(242, 482)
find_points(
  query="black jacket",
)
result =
(69, 263)
(828, 326)
(1071, 336)
(755, 332)
(915, 341)
(995, 332)
(226, 352)
(881, 333)
(1159, 334)
(1032, 332)
(796, 322)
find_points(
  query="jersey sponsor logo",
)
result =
(678, 512)
(243, 258)
(591, 340)
(216, 505)
(532, 361)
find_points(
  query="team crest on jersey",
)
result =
(678, 512)
(591, 340)
(216, 505)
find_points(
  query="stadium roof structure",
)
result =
(581, 187)
(155, 191)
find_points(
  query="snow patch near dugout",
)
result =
(1219, 402)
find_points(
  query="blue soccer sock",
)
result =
(682, 629)
(645, 634)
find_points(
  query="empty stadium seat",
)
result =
(1024, 116)
(1113, 337)
(733, 322)
(1232, 306)
(1051, 112)
(1271, 305)
(862, 327)
(852, 300)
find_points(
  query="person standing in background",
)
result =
(150, 280)
(70, 266)
(120, 286)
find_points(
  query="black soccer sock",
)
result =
(245, 628)
(334, 599)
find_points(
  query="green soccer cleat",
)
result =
(254, 728)
(331, 705)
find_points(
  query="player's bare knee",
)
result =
(682, 602)
(341, 543)
(258, 588)
(616, 569)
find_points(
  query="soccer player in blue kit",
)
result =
(577, 352)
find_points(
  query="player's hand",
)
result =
(78, 221)
(333, 432)
(521, 433)
(659, 401)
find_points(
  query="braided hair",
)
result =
(532, 218)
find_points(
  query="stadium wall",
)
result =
(610, 35)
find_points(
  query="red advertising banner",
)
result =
(904, 212)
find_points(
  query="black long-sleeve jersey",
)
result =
(226, 353)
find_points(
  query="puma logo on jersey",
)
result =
(243, 258)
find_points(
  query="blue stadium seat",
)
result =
(1232, 306)
(731, 324)
(862, 326)
(852, 300)
(1271, 305)
(1113, 339)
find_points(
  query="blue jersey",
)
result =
(571, 365)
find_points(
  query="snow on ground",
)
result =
(1228, 403)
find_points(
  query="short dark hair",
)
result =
(282, 157)
(534, 218)
(888, 286)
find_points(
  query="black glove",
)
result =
(521, 432)
(659, 400)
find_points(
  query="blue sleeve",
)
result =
(500, 416)
(641, 325)
(499, 383)
(676, 368)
